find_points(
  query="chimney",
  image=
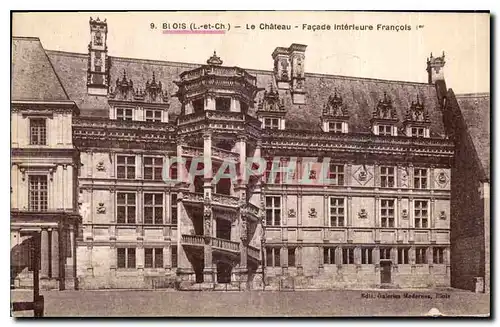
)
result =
(289, 70)
(435, 69)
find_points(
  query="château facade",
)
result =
(349, 183)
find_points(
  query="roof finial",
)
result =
(153, 77)
(214, 60)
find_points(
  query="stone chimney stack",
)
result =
(289, 70)
(435, 69)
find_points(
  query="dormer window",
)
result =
(335, 127)
(417, 120)
(418, 132)
(124, 114)
(271, 110)
(153, 115)
(335, 116)
(384, 118)
(271, 123)
(385, 130)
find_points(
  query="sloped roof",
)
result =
(360, 95)
(33, 77)
(475, 108)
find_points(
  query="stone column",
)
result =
(55, 253)
(432, 212)
(300, 270)
(44, 254)
(208, 276)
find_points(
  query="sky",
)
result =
(393, 55)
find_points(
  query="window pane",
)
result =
(120, 256)
(148, 258)
(131, 258)
(158, 258)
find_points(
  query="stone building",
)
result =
(352, 187)
(469, 124)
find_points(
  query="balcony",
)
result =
(196, 240)
(226, 245)
(253, 252)
(215, 118)
(253, 211)
(219, 244)
(226, 201)
(218, 71)
(217, 199)
(217, 154)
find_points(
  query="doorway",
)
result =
(223, 272)
(385, 272)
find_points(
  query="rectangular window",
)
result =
(273, 211)
(38, 194)
(403, 256)
(366, 256)
(420, 178)
(337, 212)
(271, 123)
(278, 176)
(125, 167)
(153, 115)
(153, 258)
(421, 214)
(125, 213)
(385, 130)
(335, 127)
(386, 176)
(329, 256)
(273, 257)
(385, 253)
(291, 257)
(153, 208)
(336, 174)
(198, 105)
(421, 255)
(153, 167)
(222, 104)
(418, 132)
(38, 131)
(348, 256)
(123, 114)
(387, 213)
(173, 208)
(125, 257)
(438, 255)
(174, 256)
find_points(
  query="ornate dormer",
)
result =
(128, 103)
(335, 116)
(98, 62)
(435, 69)
(417, 120)
(384, 118)
(124, 87)
(153, 92)
(271, 109)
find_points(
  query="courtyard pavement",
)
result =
(128, 303)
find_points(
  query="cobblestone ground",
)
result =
(105, 303)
